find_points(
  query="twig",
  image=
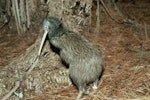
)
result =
(107, 11)
(14, 12)
(98, 20)
(28, 16)
(34, 63)
(18, 14)
(145, 29)
(22, 15)
(17, 84)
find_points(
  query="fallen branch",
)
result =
(17, 84)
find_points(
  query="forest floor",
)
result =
(126, 50)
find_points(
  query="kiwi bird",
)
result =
(83, 57)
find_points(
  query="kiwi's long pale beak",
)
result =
(42, 42)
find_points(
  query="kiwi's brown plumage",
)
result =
(82, 56)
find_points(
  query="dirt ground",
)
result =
(126, 50)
